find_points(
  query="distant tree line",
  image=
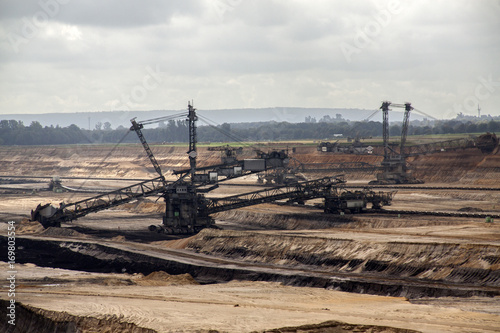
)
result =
(14, 132)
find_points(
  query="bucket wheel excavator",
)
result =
(187, 209)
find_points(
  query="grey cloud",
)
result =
(249, 54)
(109, 13)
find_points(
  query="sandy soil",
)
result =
(236, 306)
(179, 304)
(254, 306)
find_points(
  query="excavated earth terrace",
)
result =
(267, 268)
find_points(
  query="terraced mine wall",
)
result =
(127, 161)
(29, 319)
(284, 221)
(469, 166)
(376, 277)
(439, 262)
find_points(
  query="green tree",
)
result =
(493, 126)
(35, 125)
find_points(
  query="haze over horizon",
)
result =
(67, 56)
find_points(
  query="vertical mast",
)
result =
(404, 128)
(192, 118)
(385, 127)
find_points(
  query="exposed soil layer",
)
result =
(450, 267)
(469, 166)
(126, 161)
(444, 262)
(239, 306)
(283, 221)
(338, 327)
(356, 275)
(31, 319)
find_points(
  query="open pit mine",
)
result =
(289, 237)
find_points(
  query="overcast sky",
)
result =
(96, 55)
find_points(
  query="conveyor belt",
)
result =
(432, 213)
(432, 188)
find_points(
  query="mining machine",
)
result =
(187, 209)
(228, 154)
(395, 168)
